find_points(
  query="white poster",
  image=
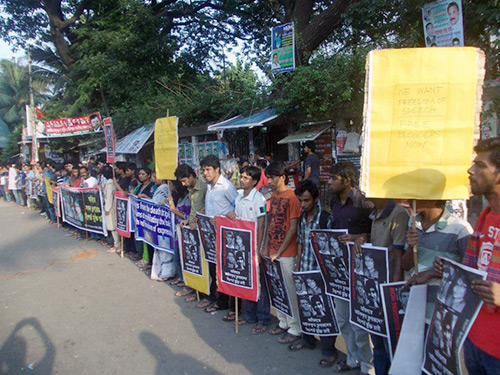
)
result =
(443, 24)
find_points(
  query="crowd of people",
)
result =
(285, 218)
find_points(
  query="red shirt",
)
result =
(483, 253)
(284, 207)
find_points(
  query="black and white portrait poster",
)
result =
(368, 271)
(237, 261)
(333, 260)
(276, 286)
(316, 311)
(208, 237)
(455, 310)
(191, 251)
(394, 301)
(122, 204)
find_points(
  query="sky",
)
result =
(6, 53)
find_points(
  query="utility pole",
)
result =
(32, 117)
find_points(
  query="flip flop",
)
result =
(288, 338)
(342, 366)
(329, 361)
(183, 292)
(214, 308)
(277, 331)
(229, 317)
(191, 298)
(260, 329)
(299, 345)
(204, 304)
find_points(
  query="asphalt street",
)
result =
(69, 307)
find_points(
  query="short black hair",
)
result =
(491, 145)
(276, 168)
(452, 4)
(210, 161)
(121, 165)
(84, 167)
(184, 171)
(131, 166)
(59, 167)
(147, 170)
(310, 144)
(346, 169)
(49, 162)
(252, 171)
(307, 185)
(107, 172)
(261, 163)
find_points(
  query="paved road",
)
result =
(69, 307)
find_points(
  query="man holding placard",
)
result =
(482, 349)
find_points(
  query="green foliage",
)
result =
(12, 147)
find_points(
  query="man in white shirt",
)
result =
(219, 200)
(251, 205)
(88, 180)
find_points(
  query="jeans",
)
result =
(292, 325)
(479, 362)
(260, 311)
(50, 209)
(381, 360)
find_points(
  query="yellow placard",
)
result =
(199, 283)
(48, 188)
(422, 109)
(166, 141)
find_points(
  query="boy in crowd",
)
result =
(312, 218)
(281, 243)
(219, 200)
(251, 205)
(481, 349)
(351, 211)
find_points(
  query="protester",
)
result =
(88, 181)
(351, 211)
(219, 200)
(130, 173)
(121, 180)
(311, 218)
(251, 205)
(311, 167)
(281, 243)
(389, 227)
(481, 349)
(197, 190)
(110, 209)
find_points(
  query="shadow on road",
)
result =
(13, 353)
(164, 358)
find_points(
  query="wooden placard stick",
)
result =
(236, 319)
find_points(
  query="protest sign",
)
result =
(193, 263)
(155, 225)
(133, 211)
(110, 139)
(394, 303)
(316, 311)
(163, 266)
(237, 258)
(278, 292)
(455, 310)
(282, 48)
(83, 208)
(48, 189)
(443, 24)
(122, 204)
(421, 106)
(368, 270)
(409, 351)
(166, 151)
(68, 127)
(207, 234)
(333, 260)
(55, 201)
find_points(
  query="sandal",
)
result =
(342, 366)
(277, 331)
(229, 317)
(329, 361)
(288, 338)
(299, 345)
(260, 329)
(215, 307)
(191, 298)
(176, 282)
(183, 292)
(204, 304)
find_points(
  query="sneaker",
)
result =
(43, 214)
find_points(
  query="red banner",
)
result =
(65, 127)
(110, 139)
(123, 214)
(324, 151)
(237, 258)
(55, 201)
